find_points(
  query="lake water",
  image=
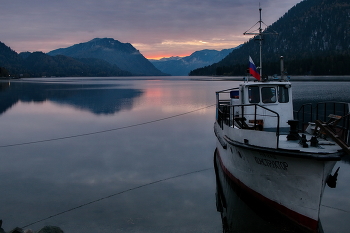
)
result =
(125, 154)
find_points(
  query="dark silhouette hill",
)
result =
(38, 64)
(9, 60)
(41, 64)
(123, 55)
(313, 36)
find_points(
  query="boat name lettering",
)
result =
(272, 163)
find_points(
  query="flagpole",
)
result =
(260, 38)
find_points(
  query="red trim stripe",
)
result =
(300, 219)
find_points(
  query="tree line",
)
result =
(313, 37)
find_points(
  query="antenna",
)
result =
(259, 35)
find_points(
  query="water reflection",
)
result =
(240, 212)
(95, 98)
(40, 180)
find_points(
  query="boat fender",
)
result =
(332, 179)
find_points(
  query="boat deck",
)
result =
(324, 146)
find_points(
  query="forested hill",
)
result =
(313, 37)
(38, 64)
(123, 55)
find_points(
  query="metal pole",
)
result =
(282, 69)
(260, 37)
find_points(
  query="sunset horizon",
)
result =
(158, 29)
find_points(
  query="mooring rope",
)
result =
(331, 207)
(103, 131)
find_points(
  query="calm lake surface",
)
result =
(126, 155)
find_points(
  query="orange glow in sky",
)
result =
(183, 48)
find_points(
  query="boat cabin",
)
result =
(259, 105)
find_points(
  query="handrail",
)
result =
(224, 91)
(226, 115)
(303, 111)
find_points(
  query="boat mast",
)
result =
(259, 38)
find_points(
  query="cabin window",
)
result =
(268, 94)
(254, 96)
(283, 96)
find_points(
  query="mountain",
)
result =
(9, 59)
(123, 55)
(172, 58)
(182, 66)
(313, 37)
(38, 64)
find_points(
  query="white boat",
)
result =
(282, 160)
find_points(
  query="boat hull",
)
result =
(291, 185)
(238, 209)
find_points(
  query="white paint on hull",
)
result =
(297, 184)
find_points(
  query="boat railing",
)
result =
(223, 99)
(336, 113)
(237, 115)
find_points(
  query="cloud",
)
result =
(46, 25)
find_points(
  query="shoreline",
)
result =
(337, 78)
(305, 78)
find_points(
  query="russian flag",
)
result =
(252, 69)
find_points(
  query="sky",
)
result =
(157, 28)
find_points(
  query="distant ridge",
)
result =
(39, 64)
(123, 55)
(313, 37)
(181, 66)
